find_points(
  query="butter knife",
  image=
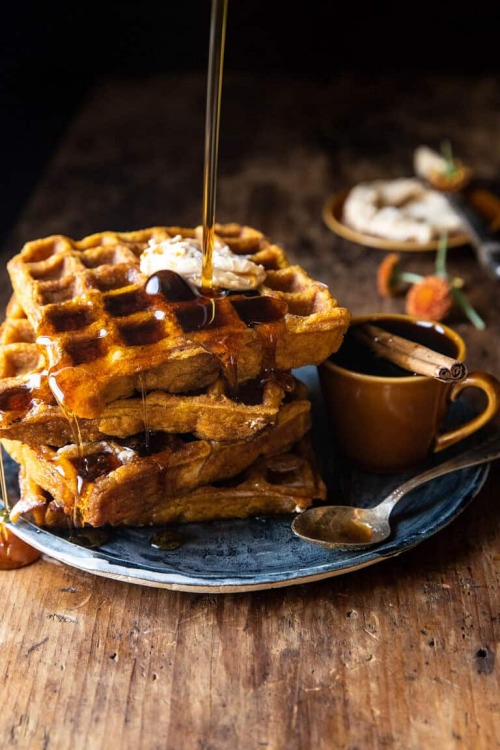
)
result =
(485, 242)
(430, 168)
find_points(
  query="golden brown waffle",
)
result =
(209, 415)
(29, 412)
(94, 488)
(285, 483)
(22, 368)
(105, 337)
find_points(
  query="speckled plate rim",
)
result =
(332, 212)
(429, 509)
(98, 564)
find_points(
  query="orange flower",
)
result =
(430, 299)
(388, 276)
(453, 180)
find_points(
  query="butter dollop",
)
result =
(184, 256)
(402, 209)
(426, 162)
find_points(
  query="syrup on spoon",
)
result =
(348, 527)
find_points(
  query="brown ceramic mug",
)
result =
(386, 419)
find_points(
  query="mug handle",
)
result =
(491, 387)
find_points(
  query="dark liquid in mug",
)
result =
(354, 355)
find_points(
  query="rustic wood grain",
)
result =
(400, 655)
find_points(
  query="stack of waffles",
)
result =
(128, 399)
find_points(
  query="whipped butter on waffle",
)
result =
(184, 256)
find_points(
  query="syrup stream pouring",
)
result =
(212, 126)
(348, 527)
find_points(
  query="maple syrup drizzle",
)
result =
(83, 351)
(269, 339)
(14, 552)
(5, 535)
(90, 538)
(230, 372)
(145, 419)
(74, 425)
(22, 398)
(212, 128)
(3, 484)
(167, 540)
(228, 362)
(266, 315)
(88, 468)
(172, 286)
(92, 466)
(196, 312)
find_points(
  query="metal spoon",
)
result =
(482, 238)
(486, 242)
(353, 528)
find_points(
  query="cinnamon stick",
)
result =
(410, 355)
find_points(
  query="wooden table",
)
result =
(399, 655)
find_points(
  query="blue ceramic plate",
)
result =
(262, 553)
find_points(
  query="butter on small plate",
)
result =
(401, 215)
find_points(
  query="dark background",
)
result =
(53, 52)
